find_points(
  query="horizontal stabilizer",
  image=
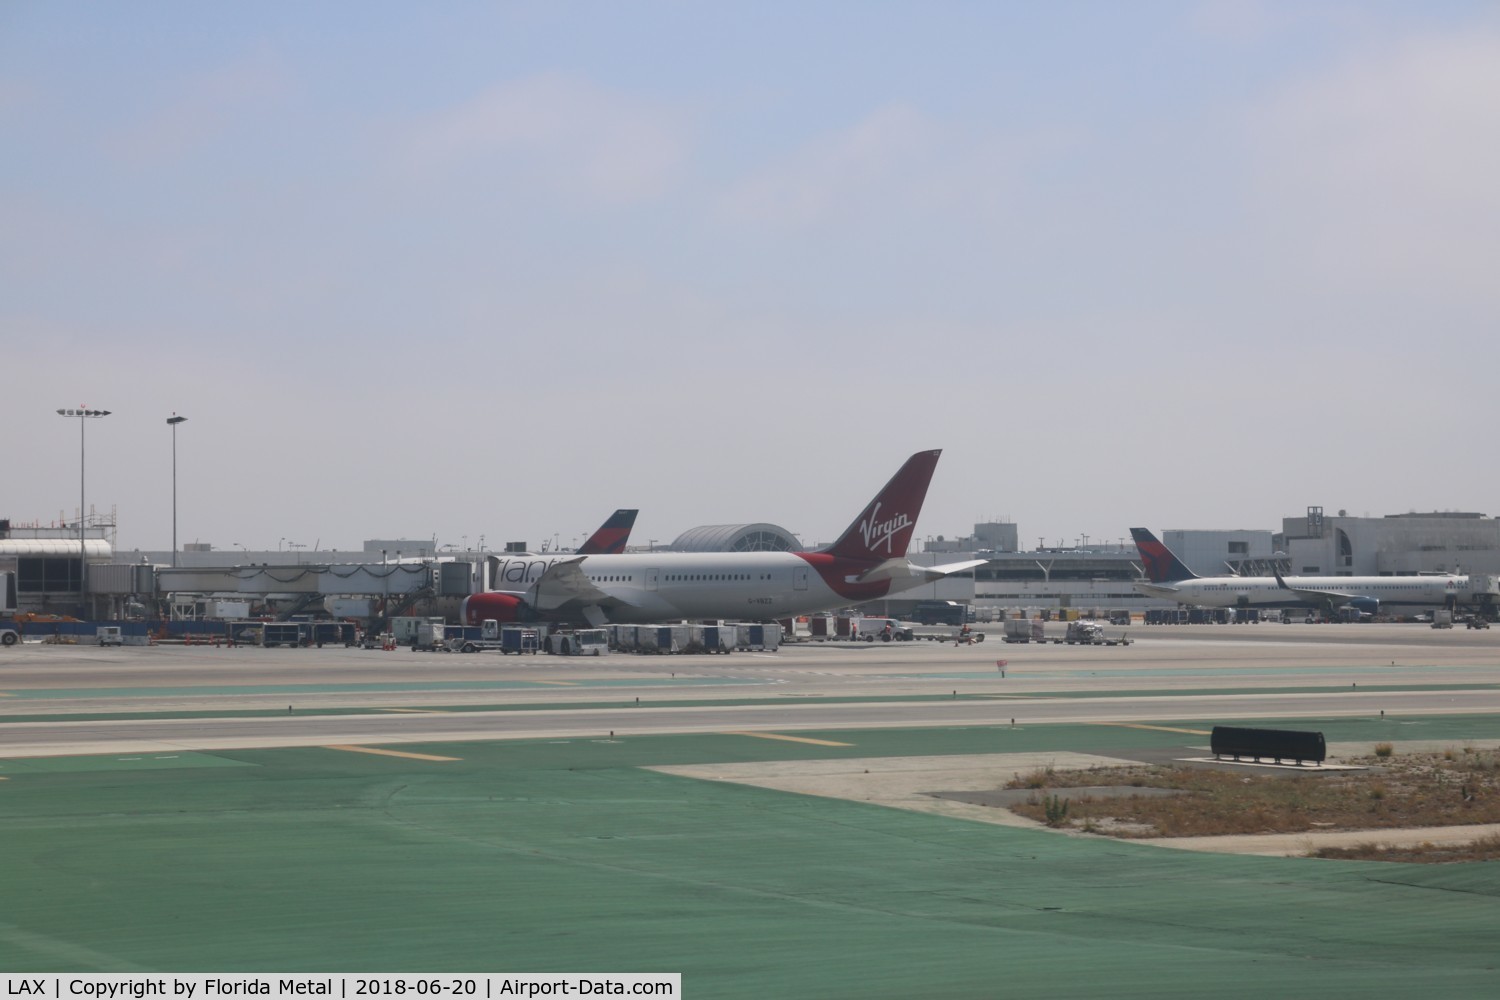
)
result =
(901, 569)
(948, 569)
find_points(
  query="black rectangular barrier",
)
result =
(1275, 744)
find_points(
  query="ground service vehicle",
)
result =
(404, 627)
(940, 613)
(581, 642)
(884, 630)
(493, 638)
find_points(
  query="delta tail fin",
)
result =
(1162, 566)
(885, 528)
(612, 535)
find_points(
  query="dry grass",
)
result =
(1479, 849)
(1454, 788)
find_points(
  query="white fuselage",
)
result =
(664, 586)
(1263, 592)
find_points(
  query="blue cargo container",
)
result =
(275, 634)
(519, 640)
(334, 633)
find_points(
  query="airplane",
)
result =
(608, 539)
(867, 562)
(1167, 577)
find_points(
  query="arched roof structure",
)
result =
(758, 537)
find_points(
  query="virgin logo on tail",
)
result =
(875, 533)
(901, 500)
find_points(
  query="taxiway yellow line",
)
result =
(792, 739)
(392, 753)
(569, 684)
(1160, 729)
(415, 711)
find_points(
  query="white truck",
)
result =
(579, 642)
(404, 627)
(884, 630)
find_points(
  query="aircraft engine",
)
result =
(503, 608)
(1364, 605)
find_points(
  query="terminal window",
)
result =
(48, 576)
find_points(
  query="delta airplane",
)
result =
(867, 562)
(611, 537)
(1167, 577)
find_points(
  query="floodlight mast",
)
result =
(83, 414)
(174, 420)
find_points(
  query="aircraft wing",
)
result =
(900, 569)
(1308, 594)
(565, 586)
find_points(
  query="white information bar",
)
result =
(339, 986)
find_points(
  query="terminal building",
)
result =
(1101, 577)
(50, 577)
(1394, 545)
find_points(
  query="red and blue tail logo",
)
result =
(611, 537)
(1162, 566)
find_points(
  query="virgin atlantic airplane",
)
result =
(868, 562)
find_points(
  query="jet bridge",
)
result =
(339, 580)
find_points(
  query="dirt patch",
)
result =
(1365, 811)
(1392, 805)
(901, 782)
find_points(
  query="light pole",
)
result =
(173, 421)
(83, 414)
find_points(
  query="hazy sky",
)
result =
(495, 269)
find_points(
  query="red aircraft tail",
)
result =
(612, 535)
(885, 528)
